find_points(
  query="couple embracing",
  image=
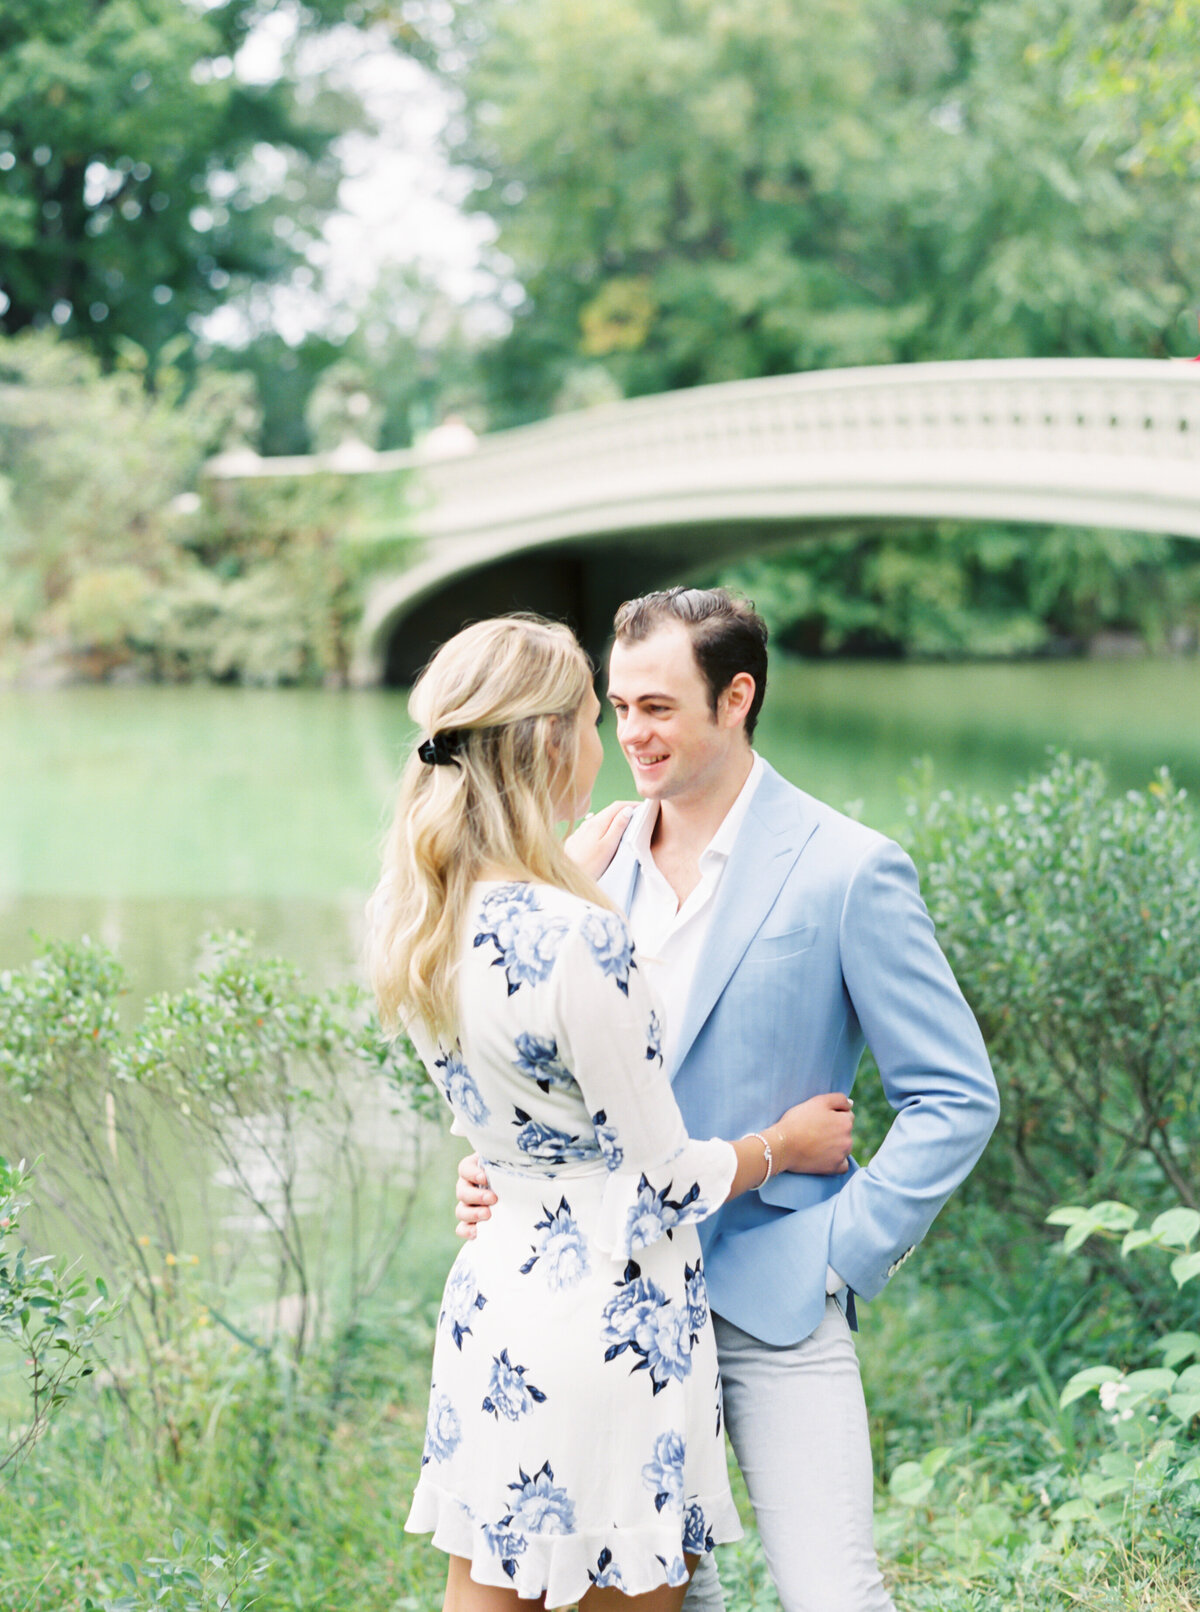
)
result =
(649, 1036)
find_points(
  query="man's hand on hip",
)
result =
(473, 1194)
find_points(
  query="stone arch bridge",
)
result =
(572, 515)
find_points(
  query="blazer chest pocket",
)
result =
(778, 948)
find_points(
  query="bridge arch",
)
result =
(573, 514)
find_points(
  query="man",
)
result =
(782, 936)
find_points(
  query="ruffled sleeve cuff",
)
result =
(640, 1206)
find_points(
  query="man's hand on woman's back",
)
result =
(474, 1195)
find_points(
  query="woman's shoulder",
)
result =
(533, 925)
(514, 897)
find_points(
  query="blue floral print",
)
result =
(562, 1248)
(526, 939)
(641, 1318)
(609, 943)
(462, 1296)
(607, 1575)
(443, 1430)
(697, 1299)
(537, 1057)
(663, 1473)
(509, 1395)
(606, 1140)
(654, 1213)
(540, 1506)
(550, 1145)
(505, 1543)
(697, 1537)
(462, 1093)
(517, 1472)
(677, 1572)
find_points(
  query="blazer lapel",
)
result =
(777, 826)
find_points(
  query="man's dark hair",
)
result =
(728, 636)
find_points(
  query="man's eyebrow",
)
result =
(641, 699)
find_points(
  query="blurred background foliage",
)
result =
(144, 181)
(678, 192)
(694, 192)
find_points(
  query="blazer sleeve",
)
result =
(932, 1062)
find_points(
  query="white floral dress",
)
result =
(574, 1433)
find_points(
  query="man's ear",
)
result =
(736, 700)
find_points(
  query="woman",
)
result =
(573, 1448)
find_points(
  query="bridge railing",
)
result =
(1129, 426)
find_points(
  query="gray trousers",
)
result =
(798, 1425)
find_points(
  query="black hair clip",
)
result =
(440, 749)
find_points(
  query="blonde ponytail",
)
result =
(500, 703)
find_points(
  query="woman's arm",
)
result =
(812, 1138)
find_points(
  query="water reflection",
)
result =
(145, 816)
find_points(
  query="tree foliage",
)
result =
(142, 180)
(949, 592)
(1145, 81)
(691, 191)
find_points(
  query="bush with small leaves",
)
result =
(50, 1318)
(1072, 920)
(246, 1094)
(200, 1576)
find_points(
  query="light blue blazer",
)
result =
(820, 943)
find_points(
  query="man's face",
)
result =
(674, 745)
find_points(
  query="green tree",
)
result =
(415, 361)
(142, 181)
(692, 191)
(92, 461)
(1145, 80)
(949, 591)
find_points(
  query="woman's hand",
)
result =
(473, 1194)
(815, 1137)
(594, 843)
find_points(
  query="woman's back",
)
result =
(574, 1426)
(542, 972)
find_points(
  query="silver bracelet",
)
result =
(768, 1156)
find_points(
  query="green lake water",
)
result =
(143, 816)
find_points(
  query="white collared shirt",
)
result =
(670, 936)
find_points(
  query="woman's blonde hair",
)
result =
(502, 700)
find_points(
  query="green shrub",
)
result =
(49, 1321)
(1072, 919)
(203, 1576)
(202, 627)
(249, 1077)
(258, 581)
(103, 608)
(1151, 1413)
